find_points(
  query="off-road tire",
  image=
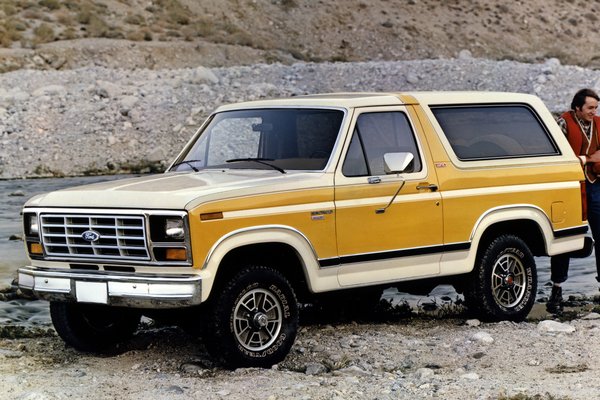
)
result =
(503, 283)
(254, 319)
(93, 328)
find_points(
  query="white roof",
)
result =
(351, 100)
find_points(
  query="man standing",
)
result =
(581, 126)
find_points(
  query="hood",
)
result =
(176, 191)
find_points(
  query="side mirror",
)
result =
(396, 163)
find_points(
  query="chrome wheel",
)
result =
(508, 280)
(503, 283)
(258, 317)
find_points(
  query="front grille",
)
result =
(94, 236)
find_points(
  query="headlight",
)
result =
(174, 228)
(31, 225)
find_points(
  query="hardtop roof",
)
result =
(366, 99)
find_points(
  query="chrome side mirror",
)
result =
(396, 163)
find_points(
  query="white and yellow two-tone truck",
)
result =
(274, 202)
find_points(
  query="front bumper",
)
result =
(140, 291)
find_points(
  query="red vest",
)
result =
(580, 143)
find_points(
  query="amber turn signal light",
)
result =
(35, 248)
(175, 255)
(211, 216)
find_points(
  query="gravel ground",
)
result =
(97, 120)
(409, 357)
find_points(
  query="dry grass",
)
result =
(72, 19)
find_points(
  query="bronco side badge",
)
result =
(320, 215)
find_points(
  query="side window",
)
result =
(374, 135)
(495, 131)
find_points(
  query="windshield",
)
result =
(287, 139)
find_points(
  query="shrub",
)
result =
(44, 34)
(33, 14)
(69, 33)
(175, 12)
(65, 18)
(135, 19)
(84, 16)
(9, 9)
(5, 38)
(97, 27)
(50, 4)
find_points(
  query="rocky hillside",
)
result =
(111, 86)
(156, 34)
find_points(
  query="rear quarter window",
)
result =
(494, 131)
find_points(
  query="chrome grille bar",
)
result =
(112, 236)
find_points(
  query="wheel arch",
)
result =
(528, 222)
(282, 248)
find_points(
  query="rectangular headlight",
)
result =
(31, 225)
(167, 228)
(174, 228)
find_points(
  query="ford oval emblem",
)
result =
(90, 236)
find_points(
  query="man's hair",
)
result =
(579, 98)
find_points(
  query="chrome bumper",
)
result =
(140, 291)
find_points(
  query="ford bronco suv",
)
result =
(273, 203)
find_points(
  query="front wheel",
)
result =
(503, 283)
(93, 327)
(255, 319)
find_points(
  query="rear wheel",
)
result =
(503, 283)
(93, 327)
(254, 318)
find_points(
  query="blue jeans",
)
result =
(559, 265)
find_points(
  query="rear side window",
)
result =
(495, 131)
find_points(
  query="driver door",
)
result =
(389, 226)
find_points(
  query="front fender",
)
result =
(317, 279)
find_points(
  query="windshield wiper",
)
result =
(188, 162)
(258, 160)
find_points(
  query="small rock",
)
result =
(555, 327)
(35, 396)
(424, 373)
(465, 55)
(203, 75)
(157, 154)
(552, 62)
(483, 337)
(591, 315)
(351, 371)
(106, 89)
(190, 367)
(175, 389)
(412, 78)
(10, 354)
(49, 90)
(473, 322)
(315, 369)
(472, 376)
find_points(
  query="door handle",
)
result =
(433, 187)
